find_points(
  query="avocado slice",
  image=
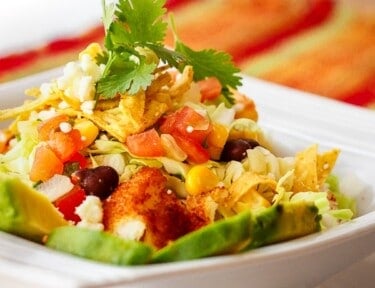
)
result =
(284, 221)
(244, 231)
(224, 236)
(25, 211)
(99, 246)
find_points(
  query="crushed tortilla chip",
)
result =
(312, 169)
(326, 162)
(182, 84)
(117, 122)
(136, 113)
(38, 104)
(305, 173)
(133, 114)
(162, 80)
(252, 191)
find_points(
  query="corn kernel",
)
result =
(200, 179)
(89, 131)
(218, 135)
(216, 140)
(215, 152)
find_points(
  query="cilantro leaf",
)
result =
(102, 58)
(135, 24)
(143, 20)
(209, 62)
(173, 58)
(129, 79)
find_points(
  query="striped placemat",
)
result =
(320, 46)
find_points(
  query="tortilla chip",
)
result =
(39, 103)
(162, 80)
(312, 169)
(251, 190)
(154, 110)
(182, 84)
(305, 172)
(326, 162)
(112, 121)
(134, 114)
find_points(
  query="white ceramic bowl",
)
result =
(293, 120)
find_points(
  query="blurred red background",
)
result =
(325, 47)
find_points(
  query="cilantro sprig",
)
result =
(135, 26)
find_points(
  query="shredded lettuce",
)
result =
(18, 159)
(330, 216)
(233, 171)
(108, 147)
(221, 114)
(343, 201)
(320, 200)
(174, 167)
(116, 161)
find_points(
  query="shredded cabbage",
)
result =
(19, 158)
(343, 201)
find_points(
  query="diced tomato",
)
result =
(193, 125)
(196, 153)
(67, 203)
(75, 163)
(49, 126)
(167, 123)
(45, 165)
(80, 159)
(65, 145)
(187, 123)
(145, 144)
(210, 88)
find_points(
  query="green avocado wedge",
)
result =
(221, 237)
(244, 231)
(283, 222)
(26, 212)
(99, 246)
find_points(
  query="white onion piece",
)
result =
(55, 187)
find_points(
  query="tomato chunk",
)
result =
(187, 123)
(195, 152)
(210, 88)
(80, 159)
(65, 145)
(67, 203)
(45, 165)
(49, 126)
(145, 144)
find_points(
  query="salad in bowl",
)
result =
(142, 154)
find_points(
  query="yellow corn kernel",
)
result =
(216, 140)
(215, 152)
(89, 131)
(218, 135)
(92, 49)
(200, 179)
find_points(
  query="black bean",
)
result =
(100, 181)
(235, 149)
